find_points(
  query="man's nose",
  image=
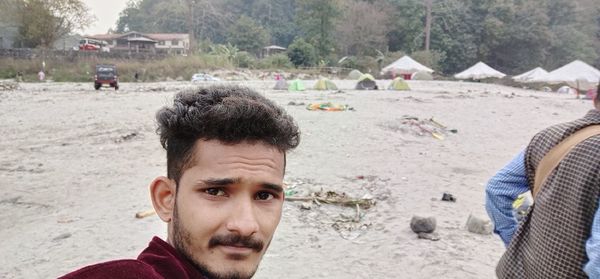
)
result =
(243, 219)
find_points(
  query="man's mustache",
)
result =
(236, 240)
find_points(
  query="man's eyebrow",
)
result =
(223, 182)
(273, 187)
(215, 182)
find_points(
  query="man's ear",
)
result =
(163, 192)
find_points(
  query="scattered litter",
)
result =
(8, 85)
(328, 107)
(331, 197)
(126, 137)
(62, 236)
(420, 224)
(292, 103)
(144, 214)
(421, 127)
(429, 236)
(448, 197)
(350, 230)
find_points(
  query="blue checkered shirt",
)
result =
(504, 188)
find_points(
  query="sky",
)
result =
(106, 12)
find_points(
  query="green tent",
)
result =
(296, 85)
(354, 74)
(325, 84)
(366, 76)
(398, 84)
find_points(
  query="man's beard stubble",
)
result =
(182, 241)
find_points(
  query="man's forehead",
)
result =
(252, 153)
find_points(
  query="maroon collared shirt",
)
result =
(160, 260)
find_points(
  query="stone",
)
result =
(306, 205)
(420, 224)
(479, 225)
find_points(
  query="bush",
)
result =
(244, 59)
(302, 53)
(82, 69)
(276, 61)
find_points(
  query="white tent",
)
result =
(405, 66)
(479, 71)
(577, 74)
(536, 75)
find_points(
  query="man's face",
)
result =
(228, 206)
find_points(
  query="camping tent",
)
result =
(366, 82)
(405, 66)
(296, 85)
(325, 84)
(536, 75)
(281, 85)
(398, 84)
(421, 75)
(566, 90)
(354, 74)
(479, 71)
(577, 74)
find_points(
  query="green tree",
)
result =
(274, 15)
(405, 25)
(316, 20)
(247, 35)
(302, 53)
(43, 22)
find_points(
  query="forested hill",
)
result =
(511, 35)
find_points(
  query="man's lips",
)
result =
(236, 250)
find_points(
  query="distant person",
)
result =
(19, 76)
(42, 75)
(560, 235)
(136, 76)
(223, 194)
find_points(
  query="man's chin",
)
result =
(229, 273)
(228, 266)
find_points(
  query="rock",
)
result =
(479, 225)
(429, 236)
(422, 224)
(306, 205)
(448, 197)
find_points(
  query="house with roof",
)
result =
(175, 43)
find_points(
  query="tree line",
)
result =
(448, 35)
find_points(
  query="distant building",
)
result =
(175, 43)
(273, 49)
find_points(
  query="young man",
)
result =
(560, 236)
(223, 194)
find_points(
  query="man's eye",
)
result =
(215, 192)
(264, 196)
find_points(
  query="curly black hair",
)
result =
(229, 114)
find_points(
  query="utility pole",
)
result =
(190, 24)
(428, 4)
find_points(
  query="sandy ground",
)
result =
(75, 165)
